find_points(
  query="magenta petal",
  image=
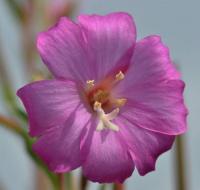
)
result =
(153, 90)
(62, 50)
(48, 103)
(159, 108)
(150, 65)
(60, 147)
(108, 38)
(146, 146)
(108, 159)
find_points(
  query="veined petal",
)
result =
(60, 147)
(150, 64)
(153, 90)
(110, 41)
(108, 158)
(146, 146)
(48, 103)
(62, 48)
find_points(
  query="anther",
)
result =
(120, 102)
(90, 83)
(119, 76)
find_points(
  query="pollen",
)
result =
(119, 76)
(120, 102)
(101, 95)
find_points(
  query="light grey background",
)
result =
(177, 21)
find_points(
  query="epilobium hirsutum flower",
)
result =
(114, 103)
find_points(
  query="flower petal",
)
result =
(151, 63)
(108, 159)
(48, 103)
(110, 41)
(62, 50)
(60, 147)
(153, 90)
(146, 146)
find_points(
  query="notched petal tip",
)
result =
(119, 14)
(148, 170)
(122, 17)
(152, 167)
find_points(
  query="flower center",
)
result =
(101, 99)
(101, 95)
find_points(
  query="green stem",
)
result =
(180, 163)
(39, 162)
(102, 187)
(7, 90)
(69, 181)
(11, 101)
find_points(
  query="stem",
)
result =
(7, 90)
(42, 182)
(28, 38)
(180, 163)
(69, 183)
(84, 182)
(61, 181)
(118, 186)
(39, 162)
(102, 187)
(11, 125)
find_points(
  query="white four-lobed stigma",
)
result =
(105, 119)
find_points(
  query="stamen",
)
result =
(112, 115)
(119, 76)
(105, 119)
(120, 102)
(90, 83)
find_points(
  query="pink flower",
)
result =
(114, 104)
